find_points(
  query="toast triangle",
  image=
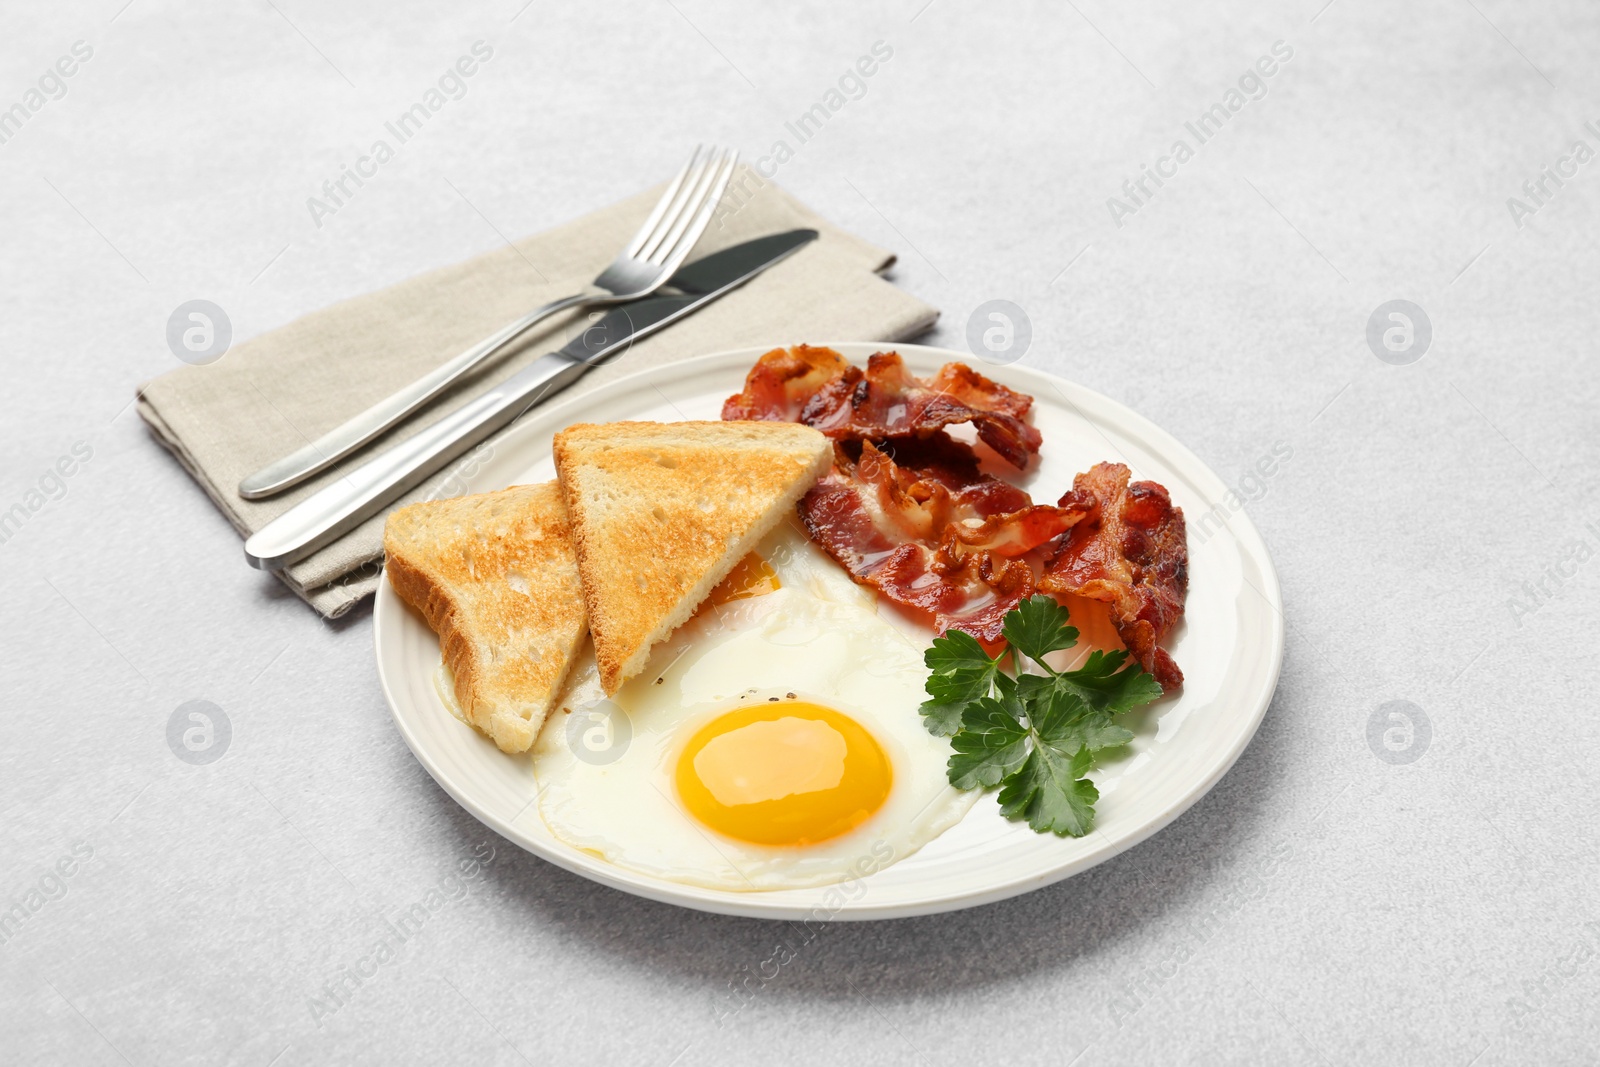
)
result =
(661, 512)
(495, 577)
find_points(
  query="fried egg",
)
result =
(772, 742)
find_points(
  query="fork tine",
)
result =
(703, 193)
(687, 194)
(684, 237)
(646, 231)
(667, 231)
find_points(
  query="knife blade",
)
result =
(333, 511)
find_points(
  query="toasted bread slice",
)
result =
(661, 512)
(495, 577)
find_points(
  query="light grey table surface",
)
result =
(1344, 895)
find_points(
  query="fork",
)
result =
(643, 266)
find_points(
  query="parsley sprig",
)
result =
(1033, 734)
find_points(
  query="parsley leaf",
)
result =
(1051, 792)
(960, 672)
(1035, 736)
(956, 650)
(1049, 788)
(1066, 722)
(1038, 625)
(993, 742)
(1105, 687)
(1099, 683)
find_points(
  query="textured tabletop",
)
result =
(1346, 255)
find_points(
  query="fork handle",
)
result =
(342, 505)
(350, 435)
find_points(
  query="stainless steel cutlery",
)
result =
(657, 250)
(332, 511)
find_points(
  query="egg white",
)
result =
(606, 769)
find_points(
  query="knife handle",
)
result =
(333, 511)
(350, 435)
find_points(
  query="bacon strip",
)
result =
(1130, 551)
(928, 531)
(907, 511)
(781, 382)
(818, 387)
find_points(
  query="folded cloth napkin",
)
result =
(269, 396)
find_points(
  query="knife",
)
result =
(333, 511)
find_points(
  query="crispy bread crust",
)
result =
(494, 576)
(661, 512)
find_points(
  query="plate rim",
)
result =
(750, 904)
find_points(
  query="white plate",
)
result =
(1230, 647)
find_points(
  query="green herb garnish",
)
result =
(1035, 735)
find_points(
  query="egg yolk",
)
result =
(787, 773)
(751, 576)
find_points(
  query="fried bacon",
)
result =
(907, 511)
(1128, 550)
(818, 387)
(928, 531)
(781, 382)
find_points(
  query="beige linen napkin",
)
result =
(271, 395)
